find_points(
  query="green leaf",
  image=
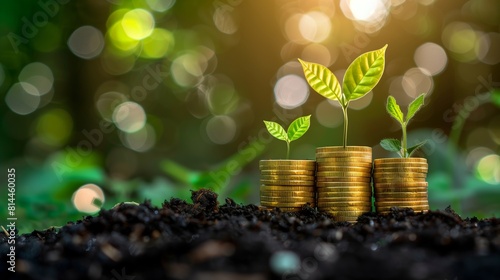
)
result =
(276, 130)
(414, 106)
(322, 80)
(394, 110)
(363, 74)
(391, 145)
(298, 127)
(413, 149)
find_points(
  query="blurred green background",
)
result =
(148, 99)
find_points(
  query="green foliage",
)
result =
(296, 130)
(394, 145)
(362, 75)
(322, 80)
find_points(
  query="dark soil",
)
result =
(204, 240)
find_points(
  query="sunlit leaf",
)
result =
(363, 74)
(322, 80)
(298, 127)
(414, 106)
(394, 110)
(413, 149)
(276, 130)
(391, 145)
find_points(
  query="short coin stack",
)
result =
(343, 181)
(287, 184)
(400, 182)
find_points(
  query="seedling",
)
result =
(395, 145)
(296, 129)
(361, 76)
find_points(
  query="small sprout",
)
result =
(395, 145)
(125, 203)
(362, 75)
(296, 129)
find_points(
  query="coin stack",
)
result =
(343, 181)
(287, 184)
(400, 182)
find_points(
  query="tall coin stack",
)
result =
(287, 184)
(400, 182)
(343, 181)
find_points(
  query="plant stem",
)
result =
(346, 124)
(404, 152)
(287, 149)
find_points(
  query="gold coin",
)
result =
(288, 193)
(328, 204)
(401, 194)
(341, 148)
(401, 165)
(283, 204)
(272, 162)
(378, 169)
(401, 185)
(287, 177)
(398, 180)
(323, 168)
(398, 199)
(342, 184)
(343, 179)
(344, 160)
(345, 199)
(342, 174)
(344, 155)
(287, 182)
(399, 175)
(380, 190)
(351, 190)
(399, 160)
(291, 199)
(359, 164)
(346, 213)
(287, 188)
(287, 164)
(402, 203)
(346, 195)
(287, 172)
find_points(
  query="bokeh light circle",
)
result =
(158, 44)
(86, 42)
(160, 5)
(138, 24)
(417, 81)
(107, 103)
(22, 98)
(315, 26)
(488, 47)
(88, 198)
(221, 129)
(129, 117)
(488, 169)
(54, 127)
(141, 140)
(431, 57)
(291, 91)
(37, 75)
